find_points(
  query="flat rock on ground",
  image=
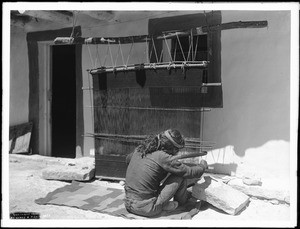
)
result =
(220, 195)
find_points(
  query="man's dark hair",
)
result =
(161, 142)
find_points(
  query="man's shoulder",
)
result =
(161, 155)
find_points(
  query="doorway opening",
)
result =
(63, 102)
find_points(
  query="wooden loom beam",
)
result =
(169, 35)
(152, 66)
(204, 109)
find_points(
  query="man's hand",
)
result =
(204, 163)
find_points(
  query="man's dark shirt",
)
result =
(144, 175)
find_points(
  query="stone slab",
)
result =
(82, 169)
(68, 173)
(260, 191)
(220, 195)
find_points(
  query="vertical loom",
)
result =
(133, 101)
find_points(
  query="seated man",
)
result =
(148, 165)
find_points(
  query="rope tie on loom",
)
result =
(153, 65)
(175, 51)
(129, 53)
(115, 64)
(111, 57)
(146, 51)
(153, 44)
(183, 66)
(98, 56)
(121, 53)
(191, 43)
(106, 54)
(150, 55)
(184, 63)
(73, 28)
(195, 54)
(168, 47)
(161, 55)
(169, 66)
(180, 47)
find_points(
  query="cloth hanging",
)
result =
(140, 75)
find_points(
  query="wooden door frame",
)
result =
(45, 97)
(34, 39)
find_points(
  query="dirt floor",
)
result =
(26, 185)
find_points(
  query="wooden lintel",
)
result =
(236, 25)
(169, 35)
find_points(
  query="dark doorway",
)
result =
(64, 101)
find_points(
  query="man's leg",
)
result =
(181, 196)
(173, 186)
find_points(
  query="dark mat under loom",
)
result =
(103, 199)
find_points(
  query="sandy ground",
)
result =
(26, 185)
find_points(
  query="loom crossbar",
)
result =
(151, 66)
(189, 141)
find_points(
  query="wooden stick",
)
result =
(151, 66)
(211, 84)
(152, 108)
(143, 137)
(147, 38)
(235, 25)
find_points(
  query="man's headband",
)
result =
(167, 134)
